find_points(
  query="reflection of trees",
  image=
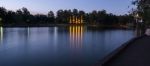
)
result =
(76, 36)
(55, 35)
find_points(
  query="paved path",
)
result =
(135, 54)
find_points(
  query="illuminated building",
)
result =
(76, 20)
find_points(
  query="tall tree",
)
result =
(10, 17)
(3, 13)
(59, 18)
(19, 16)
(143, 9)
(26, 15)
(51, 17)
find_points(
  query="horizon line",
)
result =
(55, 11)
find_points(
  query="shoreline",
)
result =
(117, 51)
(64, 25)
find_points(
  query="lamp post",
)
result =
(138, 31)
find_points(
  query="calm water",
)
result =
(58, 46)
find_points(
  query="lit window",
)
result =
(76, 20)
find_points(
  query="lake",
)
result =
(59, 46)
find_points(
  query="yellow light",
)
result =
(79, 36)
(76, 19)
(81, 19)
(73, 19)
(70, 32)
(73, 34)
(76, 36)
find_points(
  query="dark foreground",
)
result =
(137, 53)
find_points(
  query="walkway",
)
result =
(135, 54)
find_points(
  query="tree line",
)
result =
(142, 15)
(143, 10)
(24, 17)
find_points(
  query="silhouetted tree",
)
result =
(59, 18)
(143, 9)
(23, 17)
(26, 15)
(51, 17)
(75, 12)
(11, 17)
(3, 13)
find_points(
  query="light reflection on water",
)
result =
(59, 46)
(1, 34)
(76, 36)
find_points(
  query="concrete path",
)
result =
(135, 54)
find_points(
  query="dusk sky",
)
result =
(43, 6)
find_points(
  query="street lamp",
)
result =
(138, 18)
(139, 24)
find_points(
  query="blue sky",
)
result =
(43, 6)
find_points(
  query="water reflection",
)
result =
(55, 37)
(59, 46)
(76, 36)
(28, 30)
(1, 34)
